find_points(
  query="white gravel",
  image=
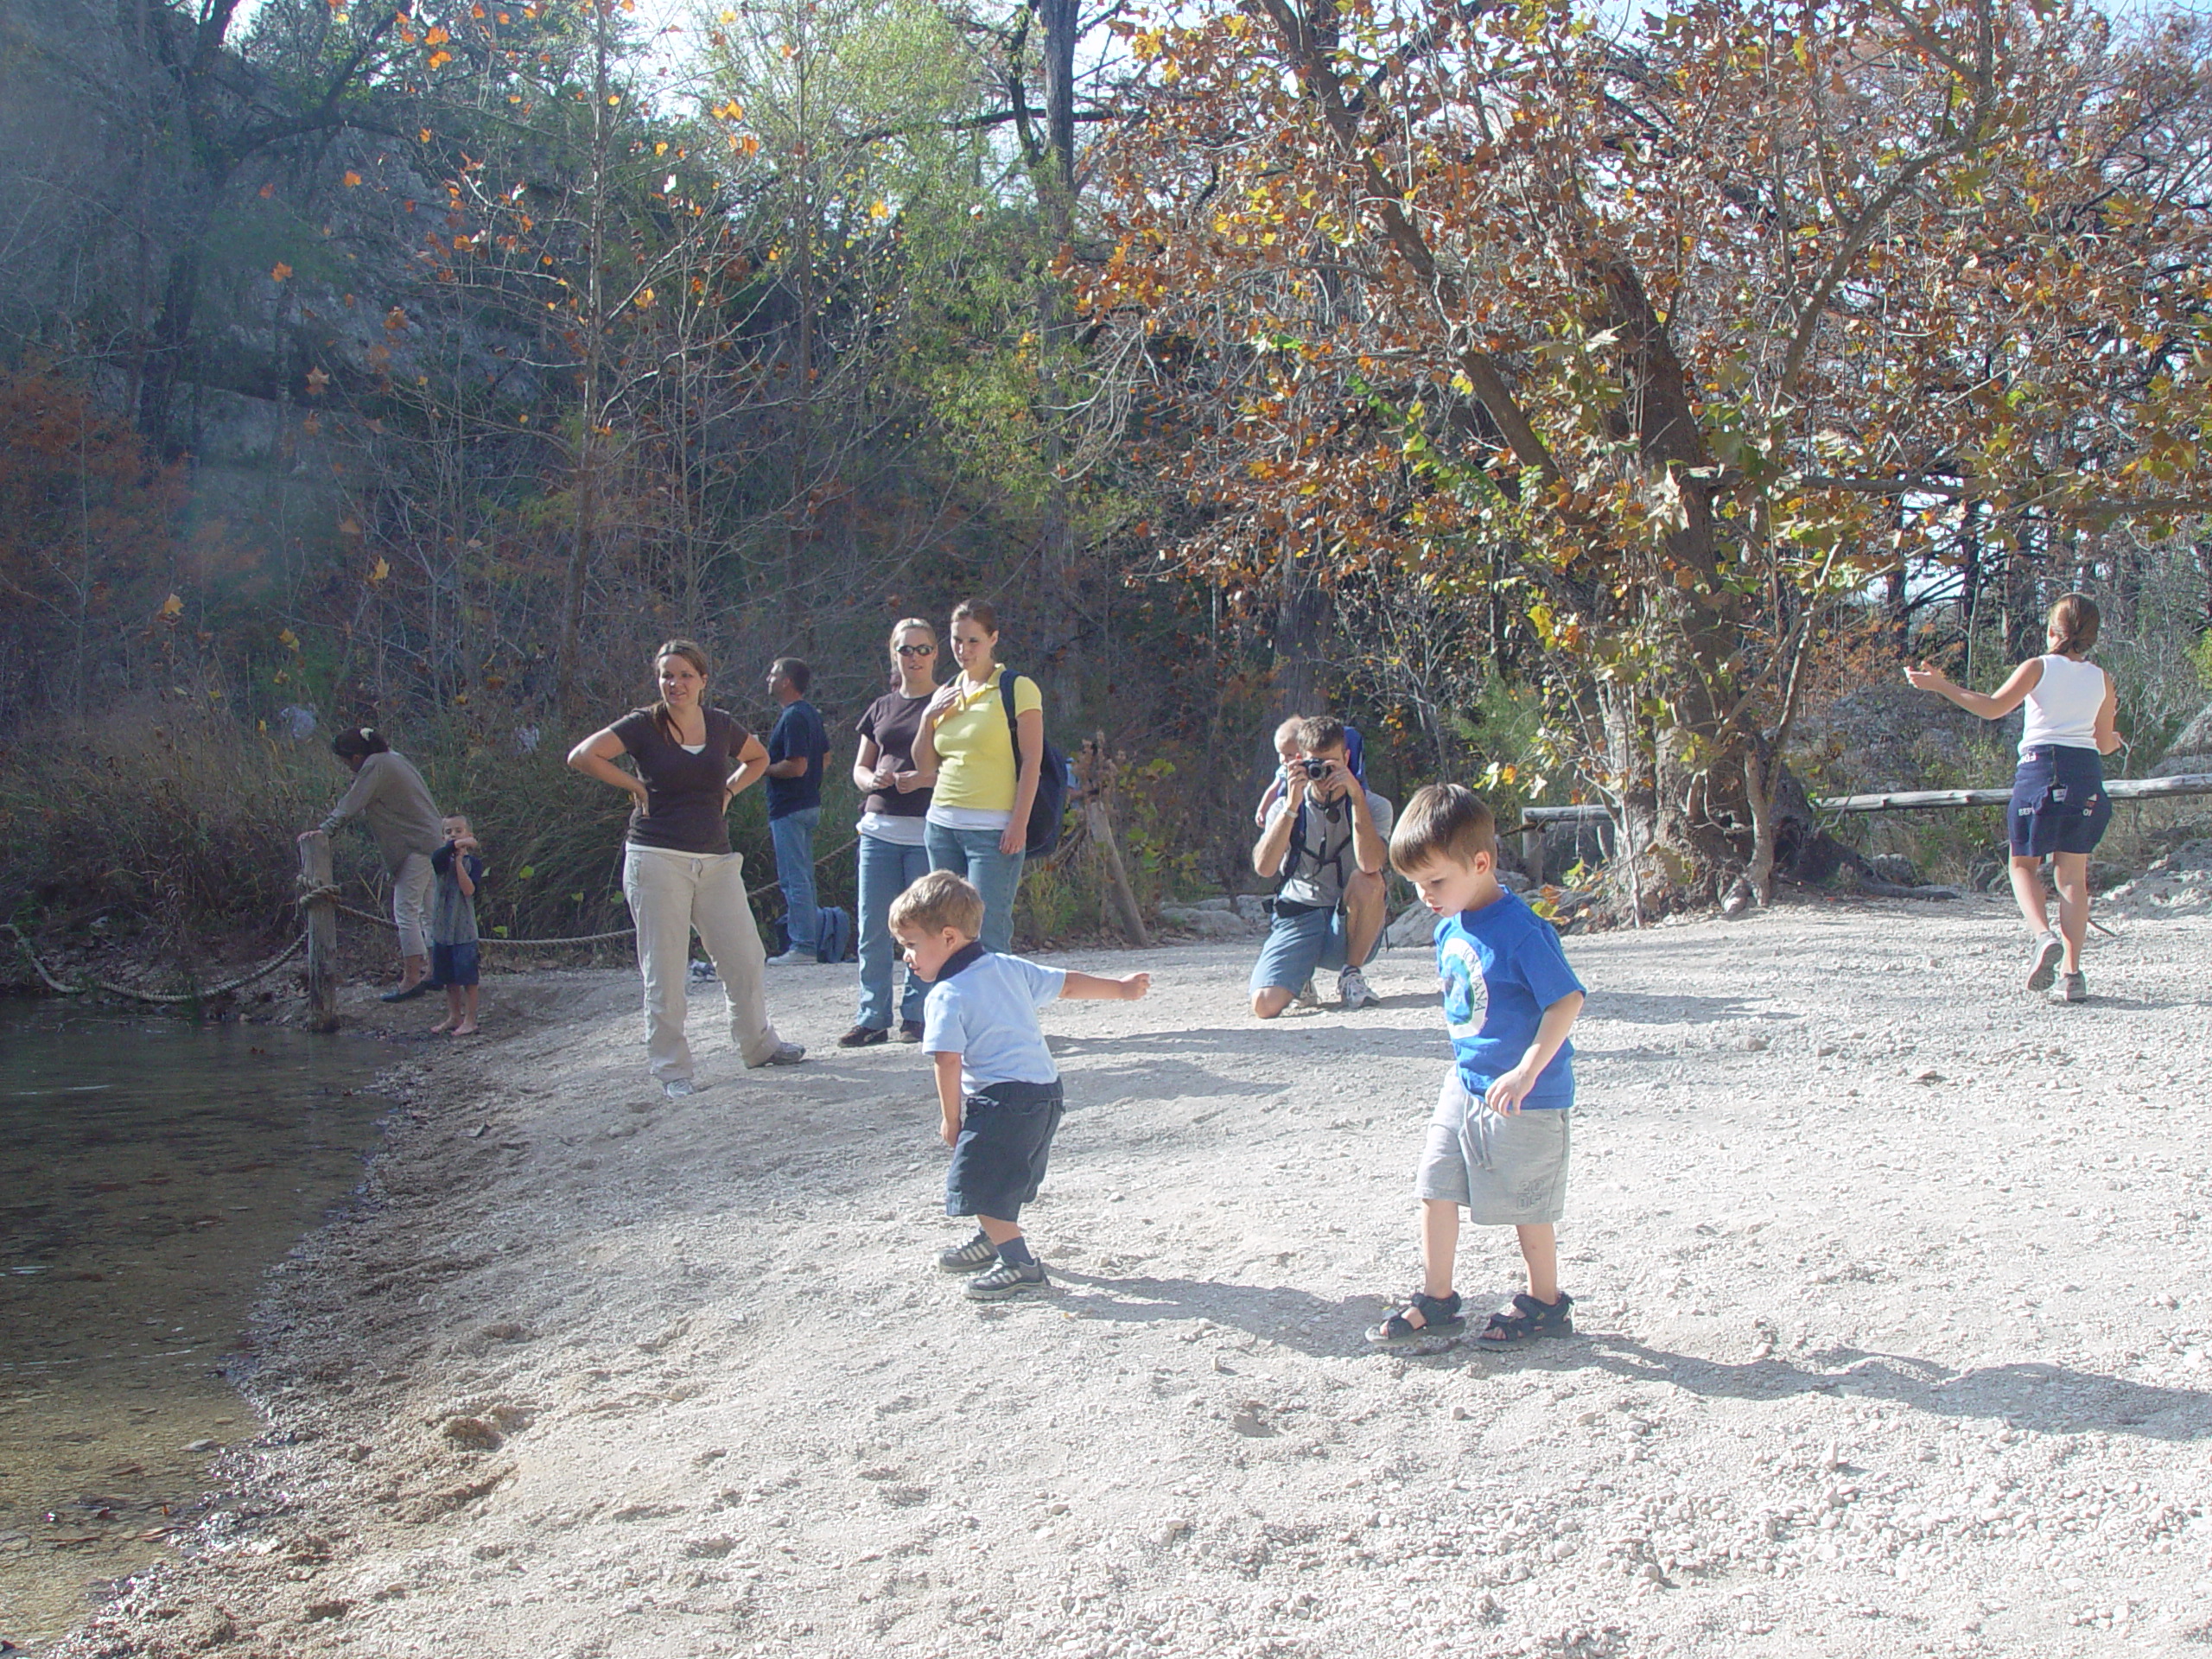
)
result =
(1892, 1293)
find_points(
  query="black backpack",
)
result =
(1051, 802)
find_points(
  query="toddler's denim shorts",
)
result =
(1005, 1137)
(1506, 1172)
(2059, 803)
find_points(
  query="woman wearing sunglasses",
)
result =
(891, 851)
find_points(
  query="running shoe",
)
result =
(2042, 961)
(973, 1256)
(2071, 987)
(1003, 1281)
(1353, 990)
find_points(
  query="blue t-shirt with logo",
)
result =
(1515, 956)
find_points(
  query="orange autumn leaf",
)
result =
(353, 179)
(279, 271)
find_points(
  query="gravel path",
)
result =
(1894, 1308)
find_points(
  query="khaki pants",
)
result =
(669, 894)
(414, 884)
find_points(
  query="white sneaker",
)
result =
(1306, 996)
(1353, 990)
(677, 1088)
(791, 958)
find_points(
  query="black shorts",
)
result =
(1006, 1135)
(453, 964)
(2059, 803)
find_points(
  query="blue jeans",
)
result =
(793, 835)
(974, 854)
(887, 870)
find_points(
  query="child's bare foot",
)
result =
(444, 1027)
(468, 1030)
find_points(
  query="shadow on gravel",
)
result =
(2047, 1399)
(1272, 1312)
(1387, 1042)
(1643, 1008)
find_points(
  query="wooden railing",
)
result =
(1535, 818)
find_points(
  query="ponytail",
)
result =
(2074, 620)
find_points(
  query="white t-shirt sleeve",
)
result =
(1382, 812)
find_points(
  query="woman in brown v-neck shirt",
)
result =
(679, 872)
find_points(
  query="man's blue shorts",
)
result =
(453, 964)
(1298, 944)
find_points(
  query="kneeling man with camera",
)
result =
(1323, 846)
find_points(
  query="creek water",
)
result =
(151, 1171)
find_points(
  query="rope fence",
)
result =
(323, 893)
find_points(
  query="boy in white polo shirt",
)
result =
(996, 1080)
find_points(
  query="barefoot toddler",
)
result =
(996, 1081)
(458, 867)
(1498, 1144)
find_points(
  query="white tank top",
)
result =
(2063, 707)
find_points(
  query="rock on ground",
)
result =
(1893, 1305)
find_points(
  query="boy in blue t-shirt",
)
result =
(996, 1080)
(1499, 1142)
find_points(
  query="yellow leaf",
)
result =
(289, 641)
(423, 133)
(381, 571)
(644, 299)
(878, 210)
(172, 607)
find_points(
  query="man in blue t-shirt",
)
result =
(1498, 1145)
(796, 747)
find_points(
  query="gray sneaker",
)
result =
(2042, 961)
(2071, 987)
(677, 1088)
(1003, 1281)
(1353, 990)
(1306, 996)
(785, 1054)
(973, 1256)
(792, 958)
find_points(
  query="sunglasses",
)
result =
(917, 651)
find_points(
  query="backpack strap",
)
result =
(1013, 726)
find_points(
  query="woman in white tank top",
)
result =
(2059, 808)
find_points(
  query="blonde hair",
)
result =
(940, 899)
(902, 625)
(1443, 821)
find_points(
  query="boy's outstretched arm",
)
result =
(948, 1095)
(1127, 989)
(1505, 1095)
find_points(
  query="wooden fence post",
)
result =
(322, 932)
(1094, 772)
(1532, 853)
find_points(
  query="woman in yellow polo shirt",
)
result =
(978, 821)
